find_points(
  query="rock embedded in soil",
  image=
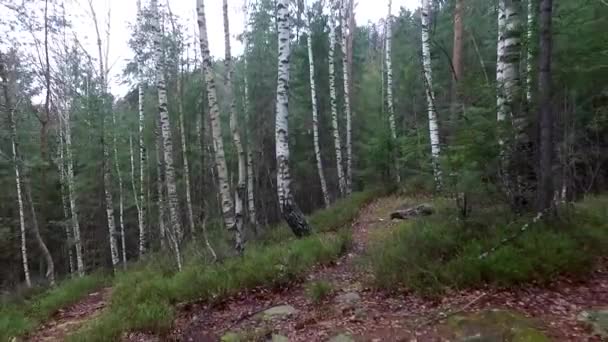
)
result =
(597, 319)
(278, 312)
(491, 326)
(342, 338)
(419, 210)
(278, 338)
(349, 299)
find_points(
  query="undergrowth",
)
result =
(143, 299)
(318, 290)
(21, 316)
(431, 255)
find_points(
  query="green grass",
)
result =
(144, 299)
(431, 255)
(319, 290)
(22, 316)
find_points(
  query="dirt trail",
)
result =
(381, 316)
(69, 319)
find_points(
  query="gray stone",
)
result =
(349, 298)
(279, 338)
(342, 338)
(231, 336)
(597, 319)
(279, 312)
(491, 326)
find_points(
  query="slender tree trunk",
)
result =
(529, 56)
(141, 210)
(216, 129)
(72, 194)
(182, 130)
(290, 210)
(347, 109)
(121, 222)
(334, 104)
(457, 59)
(50, 265)
(165, 128)
(253, 221)
(64, 196)
(107, 169)
(136, 200)
(389, 90)
(430, 94)
(13, 132)
(239, 194)
(160, 181)
(315, 120)
(545, 189)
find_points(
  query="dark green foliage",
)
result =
(319, 290)
(21, 316)
(437, 253)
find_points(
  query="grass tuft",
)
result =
(319, 290)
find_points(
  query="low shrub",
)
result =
(319, 290)
(431, 255)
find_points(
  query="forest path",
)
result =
(356, 312)
(69, 319)
(351, 308)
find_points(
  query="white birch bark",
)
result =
(71, 185)
(107, 169)
(430, 95)
(165, 129)
(13, 133)
(121, 206)
(50, 265)
(239, 194)
(160, 181)
(68, 183)
(216, 129)
(389, 74)
(334, 104)
(182, 130)
(141, 209)
(347, 109)
(315, 120)
(26, 267)
(510, 41)
(389, 88)
(289, 208)
(253, 221)
(529, 56)
(64, 195)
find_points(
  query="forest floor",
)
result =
(354, 311)
(69, 319)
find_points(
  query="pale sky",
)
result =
(123, 13)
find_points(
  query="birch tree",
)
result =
(139, 195)
(529, 55)
(430, 94)
(315, 120)
(216, 129)
(389, 87)
(347, 109)
(165, 130)
(107, 172)
(334, 103)
(545, 186)
(290, 210)
(457, 58)
(10, 109)
(250, 175)
(239, 195)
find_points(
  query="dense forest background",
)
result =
(109, 162)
